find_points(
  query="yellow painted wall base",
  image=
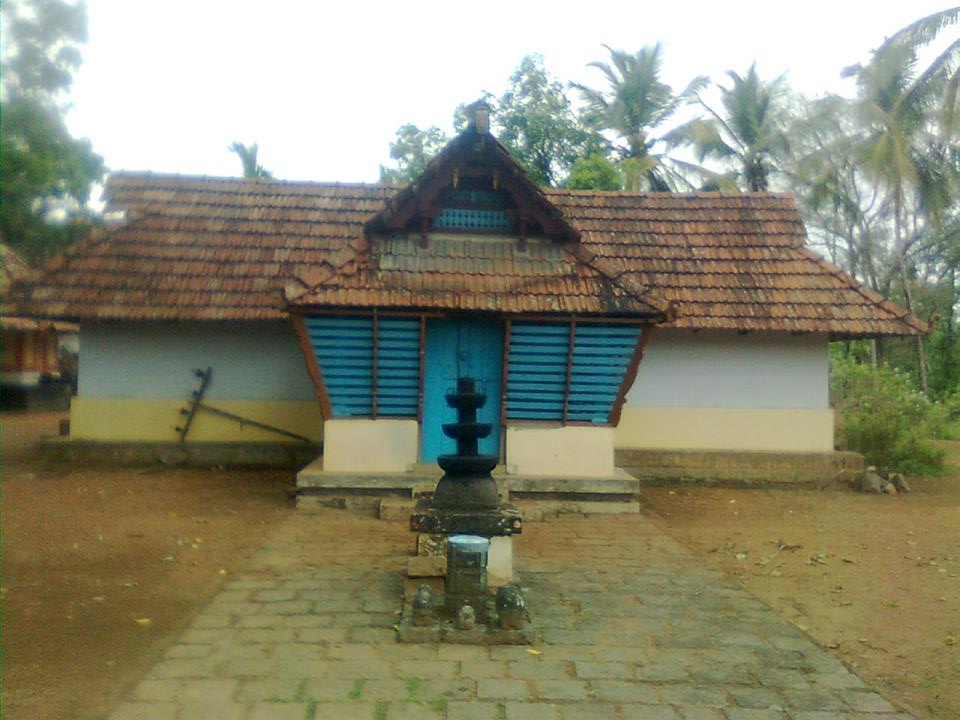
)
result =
(758, 429)
(367, 446)
(571, 451)
(156, 419)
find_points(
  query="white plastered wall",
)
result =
(135, 377)
(727, 391)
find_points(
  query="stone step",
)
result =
(619, 483)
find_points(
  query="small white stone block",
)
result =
(500, 562)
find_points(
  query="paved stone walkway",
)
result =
(631, 626)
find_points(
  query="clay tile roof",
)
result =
(227, 249)
(205, 248)
(734, 261)
(478, 273)
(13, 268)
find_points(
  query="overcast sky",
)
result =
(323, 86)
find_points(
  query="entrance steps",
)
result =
(396, 493)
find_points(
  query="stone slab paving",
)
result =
(630, 625)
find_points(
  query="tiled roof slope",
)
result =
(729, 261)
(13, 268)
(208, 249)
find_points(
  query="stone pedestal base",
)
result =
(505, 520)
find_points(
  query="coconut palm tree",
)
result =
(748, 131)
(910, 129)
(248, 157)
(636, 106)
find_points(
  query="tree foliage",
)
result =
(248, 159)
(411, 150)
(537, 123)
(41, 50)
(636, 108)
(749, 132)
(46, 174)
(882, 415)
(889, 175)
(594, 172)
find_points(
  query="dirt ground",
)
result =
(875, 578)
(102, 569)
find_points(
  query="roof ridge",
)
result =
(905, 316)
(651, 194)
(266, 182)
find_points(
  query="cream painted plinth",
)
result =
(365, 446)
(570, 451)
(732, 429)
(107, 419)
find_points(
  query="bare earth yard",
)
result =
(102, 569)
(875, 578)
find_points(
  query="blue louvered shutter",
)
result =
(343, 347)
(537, 371)
(398, 367)
(601, 356)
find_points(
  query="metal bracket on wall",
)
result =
(196, 404)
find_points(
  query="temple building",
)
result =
(596, 322)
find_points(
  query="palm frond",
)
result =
(923, 31)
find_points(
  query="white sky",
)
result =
(322, 86)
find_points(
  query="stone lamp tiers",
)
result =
(465, 507)
(466, 500)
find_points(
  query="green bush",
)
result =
(948, 417)
(881, 414)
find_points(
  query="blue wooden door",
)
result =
(458, 348)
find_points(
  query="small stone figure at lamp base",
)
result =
(423, 606)
(510, 607)
(466, 618)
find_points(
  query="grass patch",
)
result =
(413, 689)
(311, 710)
(439, 705)
(380, 710)
(301, 693)
(356, 691)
